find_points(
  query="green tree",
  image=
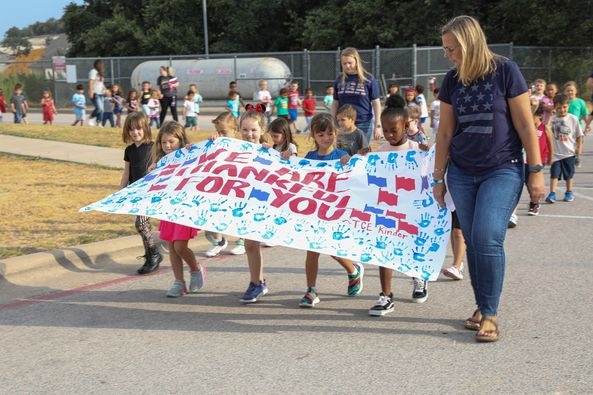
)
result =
(165, 27)
(16, 41)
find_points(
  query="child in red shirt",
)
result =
(2, 104)
(309, 108)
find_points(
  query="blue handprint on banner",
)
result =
(179, 198)
(340, 232)
(242, 228)
(425, 220)
(224, 142)
(392, 160)
(315, 243)
(238, 210)
(440, 230)
(197, 200)
(280, 220)
(261, 214)
(427, 202)
(371, 166)
(217, 206)
(421, 239)
(270, 231)
(202, 218)
(411, 160)
(381, 242)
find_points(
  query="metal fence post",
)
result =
(377, 71)
(550, 65)
(306, 69)
(414, 64)
(112, 70)
(338, 62)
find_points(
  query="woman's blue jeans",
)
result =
(368, 128)
(484, 206)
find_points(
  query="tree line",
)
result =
(169, 27)
(17, 39)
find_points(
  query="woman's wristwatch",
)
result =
(535, 168)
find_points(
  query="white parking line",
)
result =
(583, 196)
(565, 216)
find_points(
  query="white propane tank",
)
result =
(214, 75)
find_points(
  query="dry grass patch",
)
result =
(107, 137)
(40, 199)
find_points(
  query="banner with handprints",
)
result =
(377, 209)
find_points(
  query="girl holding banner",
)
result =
(324, 133)
(171, 137)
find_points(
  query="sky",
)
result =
(21, 13)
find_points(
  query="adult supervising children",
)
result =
(485, 122)
(97, 91)
(359, 89)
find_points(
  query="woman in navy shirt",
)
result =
(360, 89)
(485, 123)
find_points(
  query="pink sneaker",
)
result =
(453, 273)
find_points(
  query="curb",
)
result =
(70, 258)
(86, 257)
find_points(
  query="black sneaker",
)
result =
(420, 292)
(383, 306)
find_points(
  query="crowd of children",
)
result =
(561, 121)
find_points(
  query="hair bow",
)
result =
(259, 107)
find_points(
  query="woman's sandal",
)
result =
(473, 322)
(488, 330)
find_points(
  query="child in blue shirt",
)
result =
(79, 102)
(324, 132)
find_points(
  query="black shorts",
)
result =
(563, 168)
(455, 221)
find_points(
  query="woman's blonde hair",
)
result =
(136, 120)
(477, 61)
(360, 71)
(176, 130)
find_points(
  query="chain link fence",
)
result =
(313, 69)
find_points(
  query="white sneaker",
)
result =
(92, 122)
(420, 292)
(217, 248)
(238, 250)
(453, 273)
(513, 221)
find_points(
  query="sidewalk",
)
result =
(57, 150)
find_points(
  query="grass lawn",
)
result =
(40, 199)
(106, 137)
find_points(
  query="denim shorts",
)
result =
(293, 113)
(563, 168)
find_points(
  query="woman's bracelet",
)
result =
(439, 180)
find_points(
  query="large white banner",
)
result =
(377, 209)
